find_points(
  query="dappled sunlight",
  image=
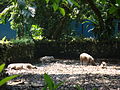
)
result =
(70, 74)
(62, 68)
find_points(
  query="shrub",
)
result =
(6, 79)
(49, 83)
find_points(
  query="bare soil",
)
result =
(71, 72)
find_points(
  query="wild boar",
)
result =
(84, 57)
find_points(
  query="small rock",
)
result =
(47, 59)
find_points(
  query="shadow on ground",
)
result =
(88, 81)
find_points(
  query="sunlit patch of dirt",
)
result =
(71, 72)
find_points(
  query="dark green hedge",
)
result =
(22, 52)
(72, 49)
(16, 53)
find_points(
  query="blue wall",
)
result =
(6, 31)
(82, 29)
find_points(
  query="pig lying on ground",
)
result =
(84, 57)
(19, 66)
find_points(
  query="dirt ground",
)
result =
(71, 72)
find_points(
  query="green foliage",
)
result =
(50, 85)
(112, 9)
(75, 3)
(20, 13)
(118, 2)
(49, 17)
(19, 49)
(47, 1)
(94, 89)
(2, 67)
(5, 41)
(62, 11)
(37, 32)
(55, 15)
(56, 6)
(79, 88)
(23, 40)
(25, 49)
(4, 80)
(117, 36)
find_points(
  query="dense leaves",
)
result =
(20, 14)
(55, 15)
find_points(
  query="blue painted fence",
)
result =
(84, 29)
(6, 31)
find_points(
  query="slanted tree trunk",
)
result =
(59, 28)
(97, 13)
(102, 27)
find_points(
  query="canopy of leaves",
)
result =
(55, 15)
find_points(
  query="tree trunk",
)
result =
(59, 28)
(97, 13)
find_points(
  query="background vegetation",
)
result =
(30, 52)
(43, 28)
(54, 16)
